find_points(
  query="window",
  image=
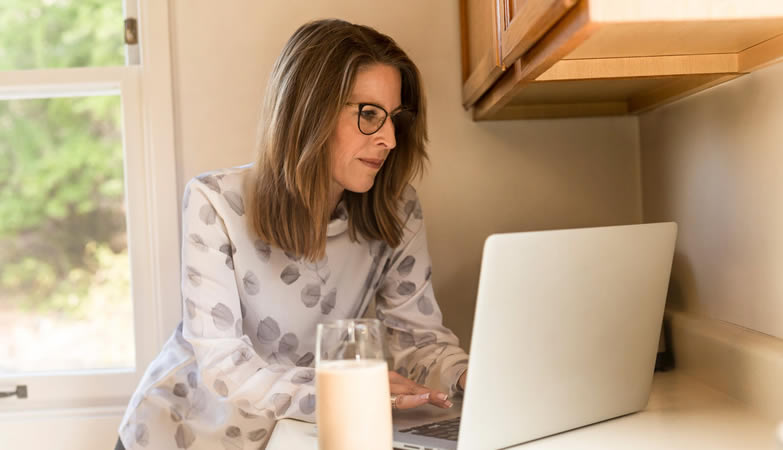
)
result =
(65, 302)
(84, 201)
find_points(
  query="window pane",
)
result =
(41, 34)
(64, 271)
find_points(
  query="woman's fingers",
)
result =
(410, 394)
(407, 401)
(439, 399)
(411, 400)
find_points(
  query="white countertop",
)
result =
(681, 414)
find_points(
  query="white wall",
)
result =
(712, 162)
(484, 177)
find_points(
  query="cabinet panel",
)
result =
(480, 48)
(480, 28)
(495, 33)
(676, 38)
(525, 21)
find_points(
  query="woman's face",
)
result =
(356, 157)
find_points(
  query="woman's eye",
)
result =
(368, 115)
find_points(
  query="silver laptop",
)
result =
(565, 335)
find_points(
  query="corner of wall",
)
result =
(739, 362)
(638, 149)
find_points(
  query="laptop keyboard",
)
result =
(445, 429)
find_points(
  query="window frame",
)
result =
(151, 194)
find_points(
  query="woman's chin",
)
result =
(360, 187)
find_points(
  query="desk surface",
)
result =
(681, 414)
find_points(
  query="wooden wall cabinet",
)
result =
(566, 58)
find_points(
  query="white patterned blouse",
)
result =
(243, 356)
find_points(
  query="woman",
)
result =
(321, 224)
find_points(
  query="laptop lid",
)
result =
(566, 330)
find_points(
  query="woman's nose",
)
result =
(386, 133)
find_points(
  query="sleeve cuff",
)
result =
(455, 387)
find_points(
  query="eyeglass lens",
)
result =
(372, 118)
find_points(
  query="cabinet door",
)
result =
(496, 33)
(480, 29)
(523, 22)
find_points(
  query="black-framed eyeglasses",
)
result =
(372, 117)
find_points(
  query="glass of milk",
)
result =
(352, 409)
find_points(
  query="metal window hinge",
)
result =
(131, 31)
(20, 392)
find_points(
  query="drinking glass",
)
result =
(353, 411)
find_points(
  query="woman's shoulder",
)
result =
(222, 186)
(221, 179)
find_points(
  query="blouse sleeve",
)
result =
(228, 364)
(421, 347)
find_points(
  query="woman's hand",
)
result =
(411, 395)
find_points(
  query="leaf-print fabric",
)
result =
(290, 274)
(244, 354)
(419, 343)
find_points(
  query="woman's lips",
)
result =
(373, 163)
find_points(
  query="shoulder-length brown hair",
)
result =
(287, 190)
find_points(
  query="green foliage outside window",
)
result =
(62, 223)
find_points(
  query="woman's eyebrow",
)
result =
(395, 109)
(400, 107)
